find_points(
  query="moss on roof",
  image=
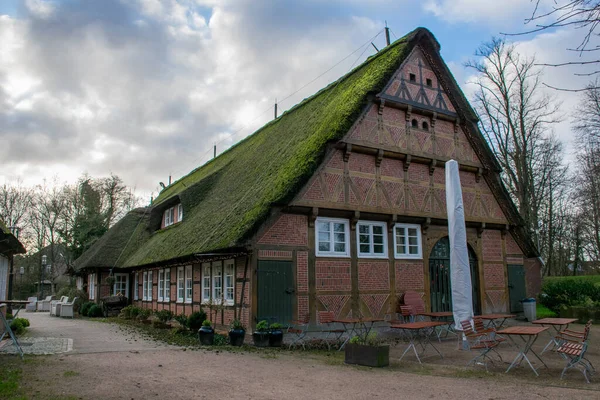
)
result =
(226, 199)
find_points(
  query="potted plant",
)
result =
(261, 334)
(206, 334)
(367, 350)
(275, 335)
(237, 333)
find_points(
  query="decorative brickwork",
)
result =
(493, 275)
(373, 275)
(375, 303)
(275, 254)
(409, 275)
(289, 229)
(495, 301)
(334, 303)
(302, 271)
(492, 245)
(333, 275)
(302, 306)
(512, 247)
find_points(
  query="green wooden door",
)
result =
(276, 291)
(516, 287)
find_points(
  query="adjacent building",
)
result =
(9, 246)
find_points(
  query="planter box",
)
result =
(370, 356)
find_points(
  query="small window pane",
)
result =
(337, 227)
(378, 249)
(323, 246)
(323, 226)
(363, 228)
(340, 247)
(364, 239)
(324, 237)
(364, 248)
(414, 250)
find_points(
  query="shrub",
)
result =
(129, 312)
(262, 326)
(95, 311)
(19, 325)
(164, 316)
(563, 292)
(206, 323)
(196, 319)
(9, 316)
(85, 308)
(144, 314)
(182, 319)
(237, 325)
(275, 326)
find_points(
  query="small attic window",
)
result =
(172, 215)
(412, 77)
(425, 126)
(428, 82)
(414, 123)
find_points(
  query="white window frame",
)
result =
(407, 255)
(149, 286)
(206, 281)
(332, 253)
(217, 272)
(126, 294)
(180, 285)
(145, 286)
(79, 283)
(136, 285)
(371, 253)
(229, 282)
(169, 216)
(92, 286)
(161, 285)
(189, 283)
(167, 284)
(179, 212)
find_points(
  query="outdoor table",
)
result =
(412, 330)
(18, 303)
(528, 335)
(441, 316)
(356, 326)
(557, 324)
(491, 319)
(5, 327)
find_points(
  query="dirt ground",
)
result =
(149, 371)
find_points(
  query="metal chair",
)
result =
(481, 342)
(328, 327)
(299, 330)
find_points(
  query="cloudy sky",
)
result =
(144, 88)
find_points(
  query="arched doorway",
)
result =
(439, 277)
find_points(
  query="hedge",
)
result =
(568, 291)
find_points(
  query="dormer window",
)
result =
(173, 215)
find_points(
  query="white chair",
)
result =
(32, 305)
(66, 309)
(55, 305)
(44, 305)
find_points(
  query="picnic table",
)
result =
(528, 336)
(441, 316)
(557, 324)
(413, 332)
(356, 326)
(491, 319)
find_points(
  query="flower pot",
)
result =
(236, 337)
(261, 339)
(206, 334)
(276, 338)
(370, 356)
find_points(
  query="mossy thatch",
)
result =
(225, 200)
(9, 244)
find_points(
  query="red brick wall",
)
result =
(409, 275)
(275, 254)
(492, 245)
(512, 247)
(302, 271)
(373, 275)
(493, 275)
(289, 229)
(333, 275)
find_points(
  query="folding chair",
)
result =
(407, 314)
(329, 327)
(299, 329)
(574, 341)
(5, 328)
(491, 332)
(568, 334)
(480, 342)
(576, 359)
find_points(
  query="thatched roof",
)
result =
(9, 244)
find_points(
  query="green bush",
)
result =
(9, 316)
(19, 325)
(164, 316)
(95, 311)
(85, 308)
(262, 326)
(129, 312)
(144, 314)
(544, 312)
(182, 319)
(196, 319)
(564, 292)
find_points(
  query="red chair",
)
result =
(481, 342)
(299, 330)
(329, 328)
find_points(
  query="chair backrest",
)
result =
(64, 299)
(586, 330)
(304, 319)
(325, 317)
(413, 299)
(49, 298)
(31, 299)
(467, 328)
(73, 301)
(478, 322)
(406, 311)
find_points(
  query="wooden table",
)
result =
(356, 326)
(528, 335)
(19, 303)
(441, 316)
(413, 329)
(557, 324)
(491, 319)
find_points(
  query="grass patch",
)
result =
(544, 312)
(10, 381)
(68, 374)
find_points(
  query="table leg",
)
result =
(426, 341)
(411, 337)
(553, 342)
(527, 347)
(349, 333)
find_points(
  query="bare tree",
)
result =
(517, 118)
(15, 200)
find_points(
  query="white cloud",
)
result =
(483, 12)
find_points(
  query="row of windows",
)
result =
(333, 239)
(217, 284)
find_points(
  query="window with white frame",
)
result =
(229, 281)
(332, 237)
(92, 286)
(121, 284)
(136, 285)
(371, 238)
(179, 212)
(206, 277)
(167, 284)
(79, 283)
(407, 241)
(217, 281)
(161, 285)
(180, 283)
(147, 286)
(188, 284)
(169, 216)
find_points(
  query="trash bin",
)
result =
(529, 309)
